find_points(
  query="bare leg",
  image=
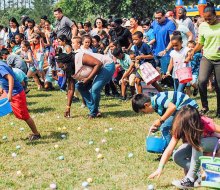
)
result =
(123, 88)
(138, 85)
(32, 126)
(157, 86)
(188, 90)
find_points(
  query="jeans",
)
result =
(187, 157)
(206, 68)
(179, 87)
(91, 92)
(165, 129)
(163, 63)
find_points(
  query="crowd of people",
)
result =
(83, 58)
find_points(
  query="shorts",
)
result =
(132, 79)
(19, 106)
(137, 75)
(32, 69)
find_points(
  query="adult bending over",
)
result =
(102, 69)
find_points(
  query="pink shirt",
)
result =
(209, 126)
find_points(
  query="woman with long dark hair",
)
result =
(13, 28)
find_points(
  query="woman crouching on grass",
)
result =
(100, 69)
(198, 136)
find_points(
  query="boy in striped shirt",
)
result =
(166, 104)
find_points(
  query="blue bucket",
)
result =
(155, 144)
(5, 107)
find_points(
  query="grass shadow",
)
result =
(39, 95)
(55, 136)
(31, 103)
(122, 113)
(41, 110)
(110, 105)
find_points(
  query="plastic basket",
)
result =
(155, 144)
(211, 170)
(5, 107)
(184, 74)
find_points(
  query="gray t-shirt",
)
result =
(17, 62)
(63, 27)
(189, 24)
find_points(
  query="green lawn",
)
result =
(39, 163)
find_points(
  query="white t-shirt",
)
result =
(2, 36)
(178, 59)
(183, 29)
(86, 50)
(105, 59)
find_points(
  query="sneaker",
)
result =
(204, 111)
(123, 98)
(195, 91)
(75, 99)
(33, 137)
(185, 183)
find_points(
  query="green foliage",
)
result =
(82, 10)
(13, 12)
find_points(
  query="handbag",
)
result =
(148, 73)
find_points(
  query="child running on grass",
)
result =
(179, 59)
(198, 135)
(17, 98)
(144, 54)
(165, 104)
(195, 64)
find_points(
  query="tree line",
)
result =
(82, 10)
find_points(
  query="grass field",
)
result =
(39, 163)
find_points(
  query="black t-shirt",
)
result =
(123, 37)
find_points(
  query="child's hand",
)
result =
(9, 97)
(138, 57)
(157, 123)
(157, 174)
(1, 91)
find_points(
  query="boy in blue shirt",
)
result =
(149, 36)
(165, 104)
(127, 64)
(195, 64)
(144, 54)
(16, 97)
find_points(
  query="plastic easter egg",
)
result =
(85, 184)
(130, 155)
(89, 180)
(61, 157)
(4, 138)
(13, 154)
(53, 186)
(100, 156)
(97, 149)
(18, 147)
